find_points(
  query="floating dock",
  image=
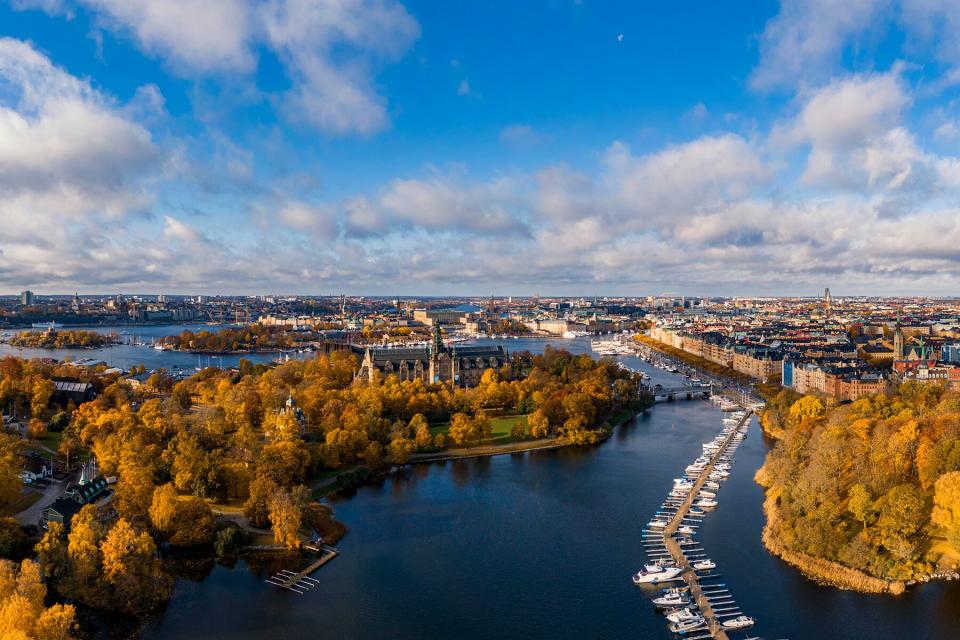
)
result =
(301, 582)
(713, 600)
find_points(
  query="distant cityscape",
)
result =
(845, 347)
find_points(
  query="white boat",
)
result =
(687, 625)
(740, 622)
(655, 574)
(672, 600)
(706, 503)
(657, 524)
(687, 529)
(682, 614)
(703, 565)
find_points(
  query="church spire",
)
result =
(437, 340)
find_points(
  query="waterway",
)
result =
(128, 354)
(541, 545)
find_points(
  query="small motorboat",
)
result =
(654, 574)
(703, 565)
(686, 529)
(681, 614)
(740, 622)
(672, 600)
(686, 626)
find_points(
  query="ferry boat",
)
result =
(740, 622)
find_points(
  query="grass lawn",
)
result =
(51, 439)
(27, 498)
(500, 428)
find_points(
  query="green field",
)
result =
(500, 428)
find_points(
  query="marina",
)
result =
(702, 605)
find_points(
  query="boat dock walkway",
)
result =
(705, 601)
(301, 582)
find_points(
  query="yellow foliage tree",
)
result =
(946, 505)
(9, 469)
(285, 519)
(22, 613)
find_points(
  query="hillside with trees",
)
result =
(871, 486)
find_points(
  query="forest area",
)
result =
(872, 485)
(250, 338)
(254, 440)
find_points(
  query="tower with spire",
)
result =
(898, 341)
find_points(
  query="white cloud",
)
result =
(681, 180)
(697, 113)
(849, 126)
(194, 36)
(520, 135)
(463, 89)
(947, 132)
(327, 48)
(330, 48)
(805, 40)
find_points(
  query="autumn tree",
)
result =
(860, 504)
(539, 424)
(422, 438)
(42, 391)
(461, 429)
(946, 506)
(131, 569)
(23, 615)
(285, 519)
(807, 408)
(9, 469)
(400, 449)
(257, 506)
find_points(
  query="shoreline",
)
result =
(487, 451)
(820, 570)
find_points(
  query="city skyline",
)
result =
(408, 148)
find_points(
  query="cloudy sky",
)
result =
(479, 147)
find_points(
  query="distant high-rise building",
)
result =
(827, 301)
(26, 298)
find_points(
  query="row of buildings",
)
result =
(844, 349)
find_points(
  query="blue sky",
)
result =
(381, 147)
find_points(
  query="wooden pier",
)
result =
(301, 582)
(702, 599)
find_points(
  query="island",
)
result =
(60, 339)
